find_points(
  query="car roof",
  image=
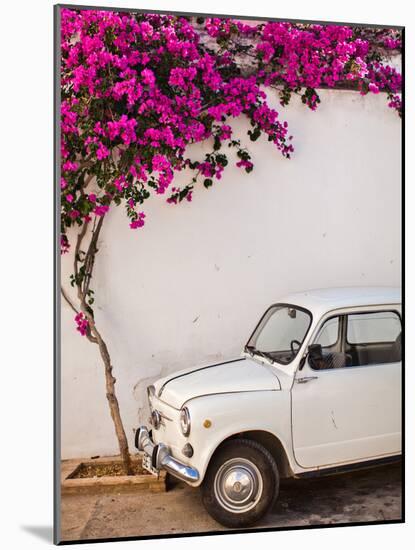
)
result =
(322, 300)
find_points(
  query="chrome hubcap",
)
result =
(238, 485)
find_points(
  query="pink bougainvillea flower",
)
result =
(373, 88)
(64, 244)
(102, 152)
(160, 162)
(82, 323)
(225, 132)
(139, 221)
(101, 209)
(70, 166)
(245, 164)
(74, 214)
(148, 77)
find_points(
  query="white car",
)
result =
(317, 391)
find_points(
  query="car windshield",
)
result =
(280, 333)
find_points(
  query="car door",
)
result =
(347, 407)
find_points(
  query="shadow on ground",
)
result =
(370, 495)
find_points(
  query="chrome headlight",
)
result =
(185, 421)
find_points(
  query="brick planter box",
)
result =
(107, 484)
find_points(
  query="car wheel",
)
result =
(241, 483)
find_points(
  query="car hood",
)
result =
(238, 375)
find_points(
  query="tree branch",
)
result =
(68, 301)
(79, 240)
(88, 180)
(90, 256)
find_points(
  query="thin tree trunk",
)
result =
(113, 404)
(95, 337)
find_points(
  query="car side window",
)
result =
(374, 338)
(327, 350)
(328, 335)
(356, 340)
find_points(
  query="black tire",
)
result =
(247, 461)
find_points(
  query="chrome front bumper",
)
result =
(161, 458)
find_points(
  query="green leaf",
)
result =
(254, 135)
(222, 160)
(183, 193)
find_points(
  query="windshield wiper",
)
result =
(253, 351)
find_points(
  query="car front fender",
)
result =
(215, 418)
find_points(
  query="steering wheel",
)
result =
(292, 346)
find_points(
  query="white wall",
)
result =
(190, 286)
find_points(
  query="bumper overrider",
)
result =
(161, 459)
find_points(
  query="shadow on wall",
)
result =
(139, 395)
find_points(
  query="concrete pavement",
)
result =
(369, 495)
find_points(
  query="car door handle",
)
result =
(305, 379)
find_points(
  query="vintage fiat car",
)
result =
(316, 391)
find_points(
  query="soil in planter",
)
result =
(105, 469)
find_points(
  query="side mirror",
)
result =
(315, 355)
